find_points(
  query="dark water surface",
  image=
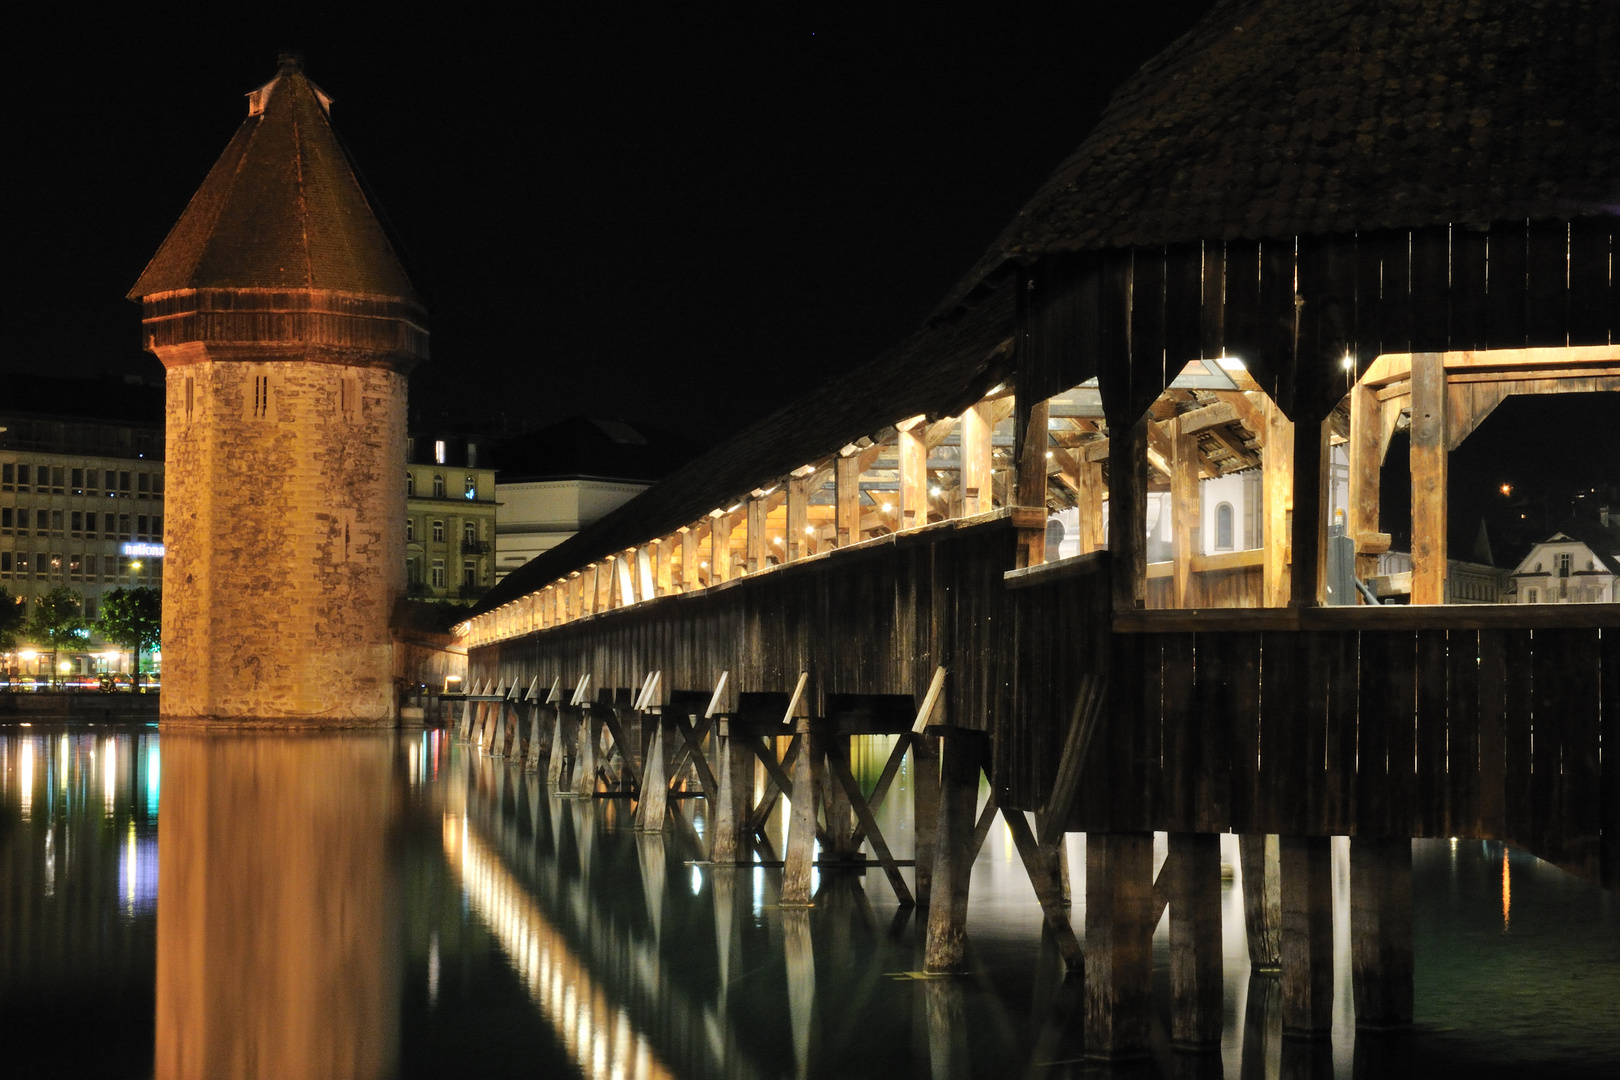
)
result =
(392, 905)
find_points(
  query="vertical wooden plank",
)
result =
(1307, 934)
(1431, 275)
(976, 460)
(1177, 804)
(1195, 939)
(1147, 322)
(1339, 787)
(1127, 515)
(1032, 451)
(1431, 734)
(1491, 777)
(1308, 526)
(1366, 451)
(1278, 494)
(1272, 364)
(1369, 297)
(1241, 708)
(1469, 287)
(1549, 673)
(1313, 651)
(1281, 764)
(1241, 313)
(1212, 721)
(1589, 281)
(1211, 322)
(1462, 732)
(847, 487)
(1183, 296)
(1610, 734)
(1518, 722)
(1119, 943)
(1381, 930)
(1505, 314)
(1568, 704)
(720, 546)
(759, 542)
(1429, 467)
(1547, 313)
(1400, 737)
(1395, 298)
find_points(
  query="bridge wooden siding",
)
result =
(1409, 722)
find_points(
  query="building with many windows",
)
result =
(81, 496)
(449, 519)
(1578, 564)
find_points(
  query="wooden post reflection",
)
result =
(276, 930)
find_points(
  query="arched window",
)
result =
(470, 488)
(1223, 527)
(410, 484)
(438, 485)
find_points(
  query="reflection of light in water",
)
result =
(697, 881)
(152, 786)
(433, 969)
(599, 1038)
(109, 778)
(25, 771)
(138, 873)
(412, 751)
(64, 768)
(1507, 889)
(759, 889)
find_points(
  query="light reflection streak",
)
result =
(25, 771)
(1507, 889)
(576, 1007)
(109, 779)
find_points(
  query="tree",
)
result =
(12, 617)
(132, 618)
(57, 620)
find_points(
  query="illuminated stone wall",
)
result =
(285, 537)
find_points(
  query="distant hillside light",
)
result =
(1506, 489)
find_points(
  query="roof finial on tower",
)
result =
(289, 61)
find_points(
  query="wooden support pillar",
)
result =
(539, 744)
(654, 777)
(1429, 461)
(913, 454)
(691, 580)
(1366, 450)
(759, 544)
(1195, 940)
(662, 553)
(800, 960)
(1262, 1029)
(924, 811)
(1308, 527)
(832, 747)
(590, 738)
(976, 460)
(1119, 943)
(626, 576)
(1127, 512)
(1277, 484)
(847, 478)
(799, 858)
(1031, 483)
(962, 758)
(734, 806)
(797, 540)
(720, 547)
(1262, 900)
(647, 580)
(1090, 489)
(564, 734)
(1381, 930)
(1186, 509)
(1305, 865)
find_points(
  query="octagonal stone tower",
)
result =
(286, 327)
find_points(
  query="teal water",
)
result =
(413, 909)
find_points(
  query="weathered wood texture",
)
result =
(1361, 721)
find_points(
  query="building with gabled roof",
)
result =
(1578, 564)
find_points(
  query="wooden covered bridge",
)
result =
(1298, 230)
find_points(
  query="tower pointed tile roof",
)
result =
(282, 209)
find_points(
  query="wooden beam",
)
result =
(1308, 526)
(1278, 492)
(1429, 460)
(758, 542)
(663, 555)
(913, 478)
(848, 516)
(1031, 485)
(797, 539)
(1186, 511)
(976, 459)
(627, 578)
(648, 583)
(720, 546)
(691, 580)
(1092, 491)
(1366, 450)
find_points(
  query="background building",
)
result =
(1578, 564)
(559, 479)
(450, 518)
(81, 495)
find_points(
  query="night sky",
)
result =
(676, 216)
(679, 217)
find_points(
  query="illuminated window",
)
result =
(1223, 527)
(471, 487)
(438, 451)
(438, 485)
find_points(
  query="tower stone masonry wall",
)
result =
(284, 539)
